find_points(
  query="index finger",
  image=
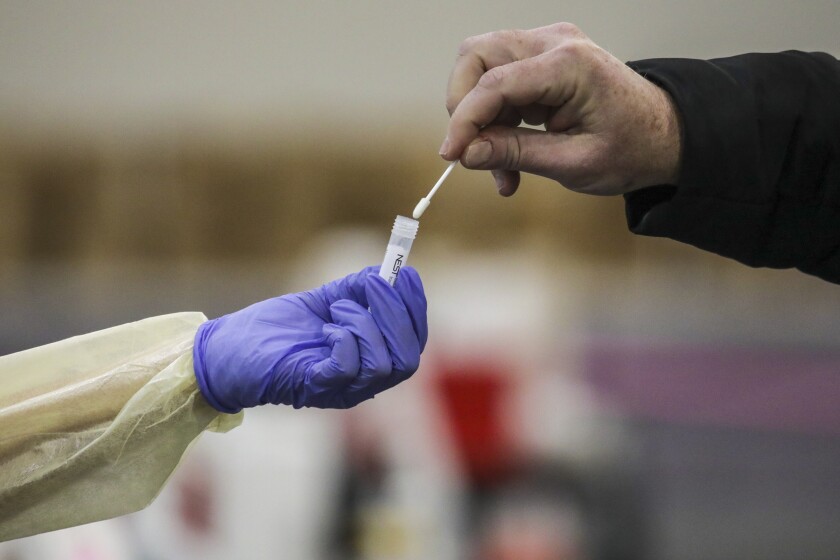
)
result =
(477, 55)
(469, 67)
(544, 79)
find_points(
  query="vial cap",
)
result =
(405, 227)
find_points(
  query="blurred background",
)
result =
(585, 394)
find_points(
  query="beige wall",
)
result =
(114, 64)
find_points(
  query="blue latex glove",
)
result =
(322, 348)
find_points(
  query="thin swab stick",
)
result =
(425, 201)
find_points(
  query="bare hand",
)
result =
(607, 129)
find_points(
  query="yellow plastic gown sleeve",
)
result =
(91, 427)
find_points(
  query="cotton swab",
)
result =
(425, 201)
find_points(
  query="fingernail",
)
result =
(500, 183)
(444, 148)
(478, 153)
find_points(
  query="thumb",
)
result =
(342, 365)
(500, 148)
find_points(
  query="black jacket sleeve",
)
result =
(760, 174)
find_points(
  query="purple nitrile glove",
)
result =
(322, 348)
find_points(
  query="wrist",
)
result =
(202, 376)
(671, 139)
(665, 137)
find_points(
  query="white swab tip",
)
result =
(420, 208)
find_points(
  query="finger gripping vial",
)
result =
(399, 246)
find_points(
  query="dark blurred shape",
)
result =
(63, 192)
(539, 516)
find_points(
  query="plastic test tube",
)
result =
(399, 246)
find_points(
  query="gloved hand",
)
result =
(320, 348)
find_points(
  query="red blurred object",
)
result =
(196, 503)
(475, 396)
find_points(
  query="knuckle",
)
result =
(469, 44)
(381, 369)
(574, 49)
(451, 104)
(513, 153)
(507, 36)
(500, 36)
(343, 373)
(478, 42)
(411, 364)
(335, 372)
(566, 29)
(492, 78)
